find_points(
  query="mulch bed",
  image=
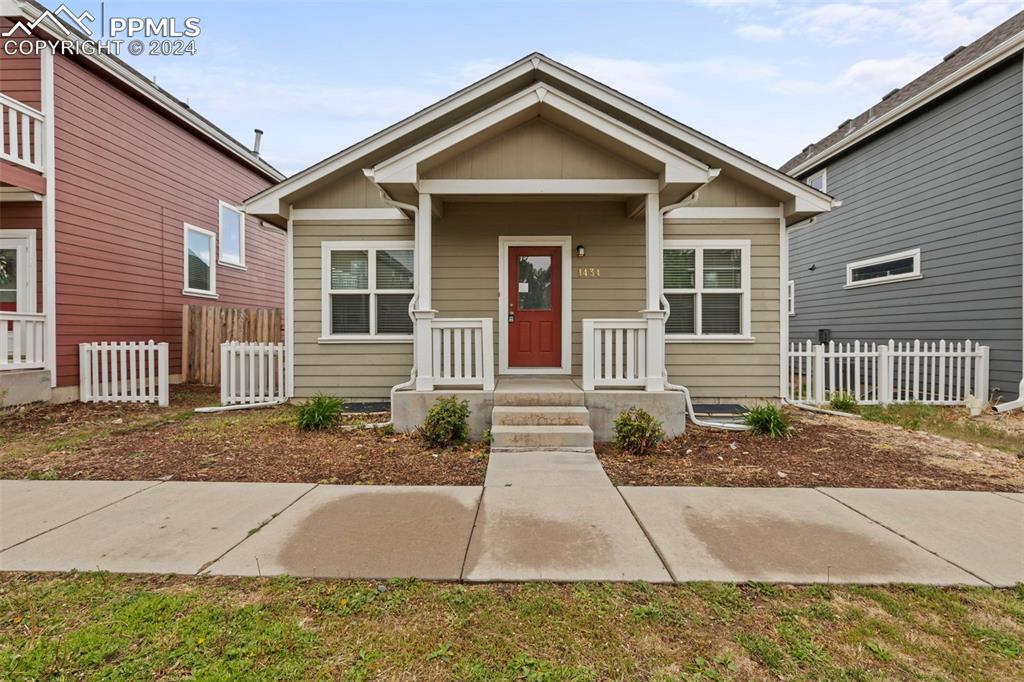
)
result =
(253, 445)
(824, 451)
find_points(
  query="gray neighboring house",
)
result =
(929, 240)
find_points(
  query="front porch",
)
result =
(542, 412)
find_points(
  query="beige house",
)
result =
(538, 223)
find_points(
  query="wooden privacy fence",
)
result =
(204, 328)
(936, 373)
(251, 373)
(122, 372)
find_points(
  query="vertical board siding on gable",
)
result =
(947, 181)
(364, 370)
(127, 180)
(735, 371)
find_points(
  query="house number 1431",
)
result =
(589, 272)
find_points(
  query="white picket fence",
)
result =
(123, 372)
(935, 373)
(251, 373)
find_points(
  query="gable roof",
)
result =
(506, 82)
(958, 66)
(142, 87)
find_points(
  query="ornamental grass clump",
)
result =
(768, 420)
(319, 412)
(841, 401)
(637, 432)
(447, 423)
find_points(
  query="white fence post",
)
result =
(883, 382)
(162, 354)
(819, 374)
(981, 373)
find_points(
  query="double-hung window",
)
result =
(367, 288)
(232, 236)
(200, 265)
(707, 286)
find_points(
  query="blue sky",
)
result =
(765, 77)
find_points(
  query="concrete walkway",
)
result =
(539, 516)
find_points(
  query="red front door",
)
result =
(535, 306)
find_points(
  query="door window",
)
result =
(534, 282)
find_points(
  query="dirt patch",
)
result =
(824, 451)
(251, 445)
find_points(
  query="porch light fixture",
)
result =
(580, 251)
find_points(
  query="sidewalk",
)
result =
(539, 516)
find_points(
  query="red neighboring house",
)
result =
(117, 205)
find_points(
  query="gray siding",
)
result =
(947, 181)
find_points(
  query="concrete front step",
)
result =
(506, 438)
(553, 398)
(522, 415)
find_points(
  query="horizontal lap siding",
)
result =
(127, 180)
(350, 370)
(465, 258)
(735, 371)
(947, 181)
(19, 74)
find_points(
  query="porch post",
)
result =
(655, 316)
(423, 311)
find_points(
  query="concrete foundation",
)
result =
(410, 407)
(23, 386)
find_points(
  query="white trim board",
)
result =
(565, 242)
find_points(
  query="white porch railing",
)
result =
(463, 352)
(614, 353)
(22, 340)
(21, 134)
(936, 373)
(252, 373)
(123, 372)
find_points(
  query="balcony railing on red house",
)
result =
(21, 134)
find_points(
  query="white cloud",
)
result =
(760, 33)
(878, 76)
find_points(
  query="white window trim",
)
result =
(824, 179)
(212, 293)
(371, 279)
(698, 245)
(240, 265)
(791, 297)
(916, 274)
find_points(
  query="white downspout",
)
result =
(665, 210)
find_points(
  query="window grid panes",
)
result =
(370, 291)
(8, 275)
(704, 286)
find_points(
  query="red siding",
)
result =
(19, 74)
(127, 180)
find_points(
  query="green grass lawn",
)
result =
(945, 421)
(80, 626)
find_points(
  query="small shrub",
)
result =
(767, 420)
(386, 430)
(447, 423)
(842, 401)
(637, 431)
(488, 438)
(319, 412)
